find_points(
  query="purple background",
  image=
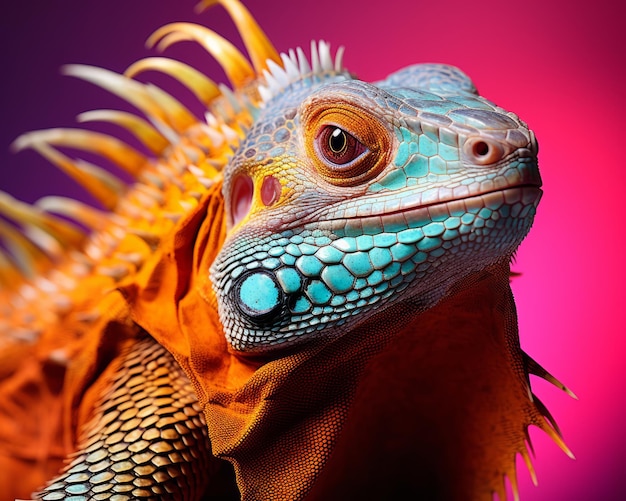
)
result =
(560, 65)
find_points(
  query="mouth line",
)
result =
(479, 195)
(441, 203)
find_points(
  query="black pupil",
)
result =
(481, 148)
(337, 141)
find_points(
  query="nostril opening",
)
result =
(241, 198)
(481, 148)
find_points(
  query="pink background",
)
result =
(560, 65)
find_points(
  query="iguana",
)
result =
(303, 294)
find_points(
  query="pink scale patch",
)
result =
(270, 191)
(241, 198)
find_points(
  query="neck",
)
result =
(444, 408)
(434, 404)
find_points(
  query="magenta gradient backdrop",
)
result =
(560, 65)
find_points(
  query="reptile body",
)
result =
(304, 296)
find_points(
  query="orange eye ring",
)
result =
(347, 145)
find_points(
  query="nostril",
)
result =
(241, 198)
(483, 152)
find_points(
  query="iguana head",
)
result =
(345, 197)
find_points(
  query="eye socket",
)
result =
(347, 145)
(483, 152)
(338, 146)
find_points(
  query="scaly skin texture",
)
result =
(307, 283)
(147, 438)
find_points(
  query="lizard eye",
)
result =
(338, 146)
(347, 145)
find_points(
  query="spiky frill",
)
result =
(60, 258)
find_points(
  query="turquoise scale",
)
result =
(329, 255)
(289, 280)
(358, 264)
(338, 278)
(380, 257)
(259, 294)
(318, 293)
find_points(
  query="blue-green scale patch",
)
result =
(420, 257)
(385, 239)
(391, 271)
(329, 255)
(322, 240)
(358, 264)
(452, 223)
(276, 251)
(402, 252)
(402, 155)
(271, 263)
(78, 489)
(318, 293)
(289, 280)
(294, 250)
(427, 146)
(307, 249)
(259, 293)
(382, 287)
(417, 167)
(407, 267)
(302, 305)
(395, 180)
(485, 213)
(380, 257)
(428, 244)
(448, 153)
(365, 242)
(437, 165)
(288, 259)
(338, 300)
(410, 236)
(375, 278)
(433, 229)
(309, 266)
(338, 278)
(450, 235)
(467, 218)
(360, 284)
(346, 244)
